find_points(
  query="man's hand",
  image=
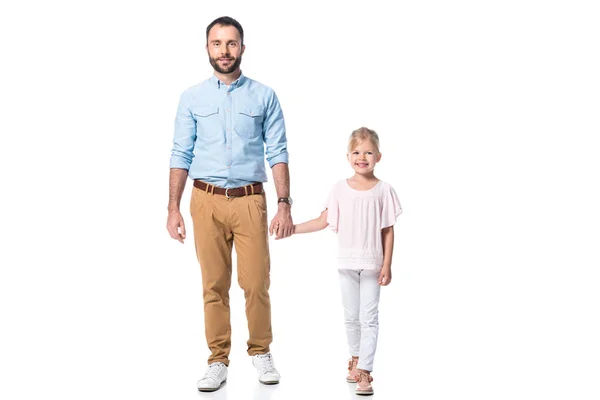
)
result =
(175, 226)
(282, 224)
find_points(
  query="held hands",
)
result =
(385, 276)
(175, 226)
(282, 224)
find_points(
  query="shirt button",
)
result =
(228, 110)
(228, 147)
(228, 129)
(228, 94)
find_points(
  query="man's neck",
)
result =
(228, 79)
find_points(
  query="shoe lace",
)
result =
(352, 363)
(266, 362)
(363, 375)
(213, 370)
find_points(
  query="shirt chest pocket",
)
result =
(207, 120)
(249, 122)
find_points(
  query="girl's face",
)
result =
(363, 157)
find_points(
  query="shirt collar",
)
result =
(235, 84)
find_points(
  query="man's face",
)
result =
(224, 48)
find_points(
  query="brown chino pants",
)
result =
(219, 224)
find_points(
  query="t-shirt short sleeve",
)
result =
(333, 210)
(391, 208)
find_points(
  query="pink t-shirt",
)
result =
(358, 216)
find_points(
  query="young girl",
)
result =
(362, 211)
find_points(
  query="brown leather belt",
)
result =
(255, 188)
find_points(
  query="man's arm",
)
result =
(282, 223)
(281, 176)
(181, 160)
(177, 179)
(277, 157)
(175, 224)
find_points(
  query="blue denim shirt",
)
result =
(223, 132)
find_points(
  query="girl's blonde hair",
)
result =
(362, 134)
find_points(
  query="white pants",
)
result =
(360, 298)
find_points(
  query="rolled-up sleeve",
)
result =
(274, 133)
(185, 136)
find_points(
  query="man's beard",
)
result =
(232, 67)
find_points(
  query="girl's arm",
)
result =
(387, 236)
(313, 225)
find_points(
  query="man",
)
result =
(222, 129)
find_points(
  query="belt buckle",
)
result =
(227, 194)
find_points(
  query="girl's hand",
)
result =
(385, 276)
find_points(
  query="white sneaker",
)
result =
(215, 375)
(267, 373)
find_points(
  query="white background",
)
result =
(487, 112)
